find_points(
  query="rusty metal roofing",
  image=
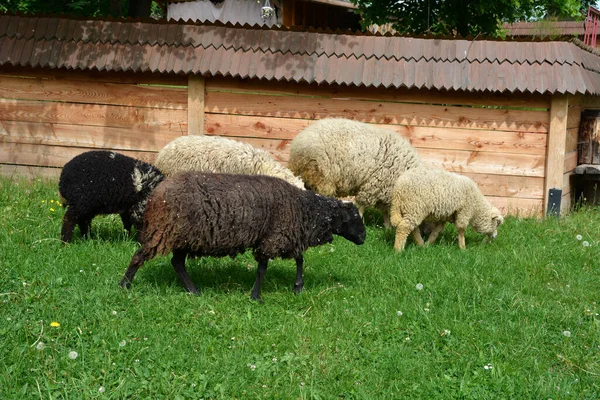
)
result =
(545, 28)
(298, 56)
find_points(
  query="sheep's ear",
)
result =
(499, 220)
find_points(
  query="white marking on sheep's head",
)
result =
(112, 154)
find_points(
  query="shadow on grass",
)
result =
(226, 275)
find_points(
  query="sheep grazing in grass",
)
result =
(339, 157)
(220, 155)
(204, 214)
(105, 182)
(437, 196)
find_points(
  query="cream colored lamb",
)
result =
(437, 196)
(218, 154)
(340, 158)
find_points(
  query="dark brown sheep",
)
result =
(204, 214)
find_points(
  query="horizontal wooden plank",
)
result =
(517, 207)
(51, 156)
(570, 161)
(485, 163)
(396, 95)
(474, 140)
(253, 126)
(23, 171)
(143, 119)
(377, 112)
(97, 137)
(95, 76)
(92, 92)
(420, 136)
(509, 186)
(279, 149)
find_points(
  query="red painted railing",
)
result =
(591, 26)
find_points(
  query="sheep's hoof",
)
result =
(298, 289)
(257, 299)
(125, 284)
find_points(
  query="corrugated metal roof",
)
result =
(298, 56)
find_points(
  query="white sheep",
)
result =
(437, 196)
(340, 157)
(217, 154)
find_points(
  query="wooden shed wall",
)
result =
(498, 140)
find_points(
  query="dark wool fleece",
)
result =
(225, 214)
(105, 182)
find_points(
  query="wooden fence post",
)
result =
(555, 155)
(195, 105)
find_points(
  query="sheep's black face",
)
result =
(350, 224)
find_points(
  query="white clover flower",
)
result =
(585, 243)
(567, 333)
(274, 359)
(252, 367)
(407, 339)
(445, 332)
(40, 346)
(73, 354)
(419, 286)
(122, 343)
(578, 237)
(114, 312)
(488, 366)
(101, 389)
(399, 313)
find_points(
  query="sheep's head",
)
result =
(348, 223)
(489, 223)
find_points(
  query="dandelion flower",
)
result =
(399, 313)
(122, 343)
(419, 286)
(578, 237)
(73, 354)
(52, 209)
(567, 333)
(101, 389)
(585, 243)
(51, 201)
(40, 346)
(54, 324)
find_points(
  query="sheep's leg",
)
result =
(416, 234)
(126, 221)
(178, 262)
(69, 222)
(461, 238)
(435, 232)
(260, 274)
(299, 284)
(136, 262)
(84, 226)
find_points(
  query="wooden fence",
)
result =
(500, 141)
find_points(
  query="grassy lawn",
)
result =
(515, 318)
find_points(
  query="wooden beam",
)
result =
(195, 105)
(555, 156)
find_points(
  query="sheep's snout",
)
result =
(494, 234)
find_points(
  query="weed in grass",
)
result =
(490, 321)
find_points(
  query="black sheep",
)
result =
(204, 214)
(105, 182)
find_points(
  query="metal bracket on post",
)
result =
(554, 198)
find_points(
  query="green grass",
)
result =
(504, 304)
